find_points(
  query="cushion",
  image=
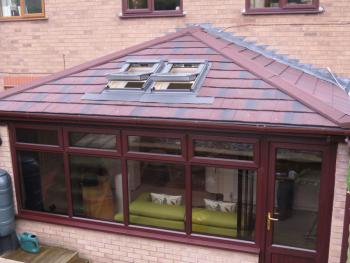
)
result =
(211, 205)
(173, 199)
(227, 207)
(158, 198)
(203, 216)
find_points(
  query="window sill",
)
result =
(16, 19)
(154, 14)
(280, 11)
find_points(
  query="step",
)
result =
(47, 255)
(79, 260)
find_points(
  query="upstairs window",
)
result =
(179, 76)
(21, 9)
(133, 75)
(144, 8)
(282, 6)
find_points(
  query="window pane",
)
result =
(224, 202)
(156, 194)
(303, 2)
(167, 4)
(187, 86)
(264, 3)
(10, 8)
(93, 140)
(224, 150)
(43, 182)
(33, 6)
(49, 137)
(96, 187)
(297, 189)
(148, 144)
(137, 4)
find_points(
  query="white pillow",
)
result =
(158, 198)
(173, 199)
(211, 204)
(227, 207)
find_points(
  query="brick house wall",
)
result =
(77, 31)
(104, 248)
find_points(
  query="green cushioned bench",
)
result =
(144, 212)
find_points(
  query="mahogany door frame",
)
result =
(320, 255)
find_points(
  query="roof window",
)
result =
(133, 75)
(179, 76)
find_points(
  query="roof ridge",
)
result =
(321, 73)
(322, 108)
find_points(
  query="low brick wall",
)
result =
(103, 247)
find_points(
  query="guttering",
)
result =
(184, 123)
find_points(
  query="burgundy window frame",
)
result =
(260, 155)
(152, 156)
(150, 11)
(284, 7)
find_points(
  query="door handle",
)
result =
(269, 220)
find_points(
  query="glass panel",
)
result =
(96, 187)
(140, 68)
(224, 202)
(302, 2)
(224, 150)
(184, 68)
(149, 144)
(297, 189)
(173, 86)
(49, 137)
(137, 4)
(43, 183)
(156, 194)
(264, 3)
(10, 8)
(166, 5)
(93, 140)
(116, 84)
(33, 6)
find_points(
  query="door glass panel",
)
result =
(223, 202)
(96, 187)
(297, 188)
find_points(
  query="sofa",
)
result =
(143, 211)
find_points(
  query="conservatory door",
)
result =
(296, 222)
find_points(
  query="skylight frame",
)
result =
(124, 75)
(166, 76)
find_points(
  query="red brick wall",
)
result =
(82, 30)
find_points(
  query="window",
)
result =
(84, 174)
(179, 76)
(43, 181)
(282, 6)
(133, 75)
(223, 202)
(144, 8)
(21, 8)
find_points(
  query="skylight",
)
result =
(133, 75)
(179, 76)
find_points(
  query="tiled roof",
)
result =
(246, 86)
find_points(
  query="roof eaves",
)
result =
(319, 73)
(96, 62)
(320, 107)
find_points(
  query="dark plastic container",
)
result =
(7, 213)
